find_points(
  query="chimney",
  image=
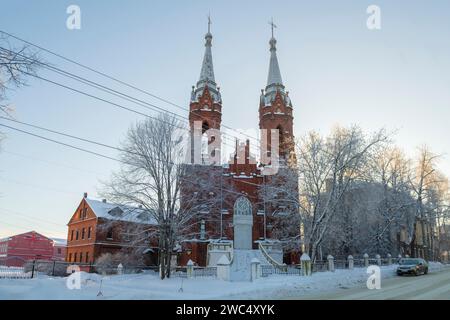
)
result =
(85, 195)
(104, 200)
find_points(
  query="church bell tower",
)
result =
(275, 107)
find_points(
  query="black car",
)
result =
(414, 266)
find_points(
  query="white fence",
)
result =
(14, 273)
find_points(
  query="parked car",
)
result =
(414, 266)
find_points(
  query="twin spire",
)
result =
(207, 72)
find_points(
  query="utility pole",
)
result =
(264, 203)
(221, 201)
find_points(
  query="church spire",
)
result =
(207, 72)
(274, 77)
(206, 100)
(275, 106)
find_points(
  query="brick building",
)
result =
(242, 219)
(99, 227)
(20, 248)
(59, 249)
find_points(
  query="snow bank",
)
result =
(149, 286)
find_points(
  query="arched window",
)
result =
(242, 206)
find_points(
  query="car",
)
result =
(414, 266)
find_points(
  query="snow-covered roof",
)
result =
(112, 211)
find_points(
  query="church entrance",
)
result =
(243, 223)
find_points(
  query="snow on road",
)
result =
(435, 285)
(148, 286)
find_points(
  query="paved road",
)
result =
(435, 286)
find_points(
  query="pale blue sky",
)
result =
(337, 72)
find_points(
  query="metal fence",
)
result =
(319, 266)
(205, 272)
(267, 270)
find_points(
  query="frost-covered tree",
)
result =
(325, 169)
(151, 177)
(424, 181)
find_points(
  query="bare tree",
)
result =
(15, 65)
(152, 176)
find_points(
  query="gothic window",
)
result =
(242, 206)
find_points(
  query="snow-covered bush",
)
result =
(107, 263)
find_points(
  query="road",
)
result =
(434, 286)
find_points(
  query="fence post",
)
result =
(53, 269)
(330, 259)
(305, 262)
(120, 269)
(389, 256)
(190, 269)
(223, 268)
(32, 269)
(255, 268)
(366, 260)
(350, 262)
(378, 257)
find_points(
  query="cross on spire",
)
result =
(273, 25)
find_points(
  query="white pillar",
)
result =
(350, 262)
(223, 268)
(330, 259)
(389, 256)
(305, 262)
(120, 269)
(366, 260)
(256, 266)
(378, 257)
(190, 269)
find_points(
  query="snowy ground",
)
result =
(148, 286)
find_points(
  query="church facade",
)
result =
(241, 220)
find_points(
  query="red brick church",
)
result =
(242, 220)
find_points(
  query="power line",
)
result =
(37, 186)
(30, 217)
(112, 78)
(51, 162)
(84, 140)
(109, 102)
(93, 152)
(21, 227)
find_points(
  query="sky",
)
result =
(338, 72)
